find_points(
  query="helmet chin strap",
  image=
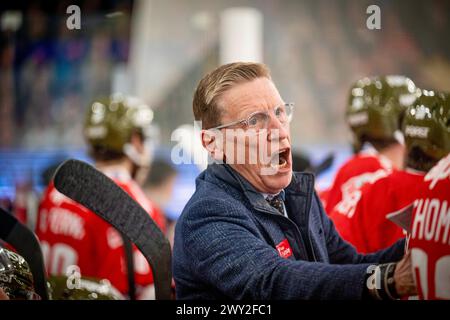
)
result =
(141, 161)
(399, 137)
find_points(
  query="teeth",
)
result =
(278, 160)
(281, 163)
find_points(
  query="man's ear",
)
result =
(211, 141)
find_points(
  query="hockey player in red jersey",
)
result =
(424, 126)
(373, 114)
(70, 234)
(430, 233)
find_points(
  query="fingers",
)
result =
(404, 277)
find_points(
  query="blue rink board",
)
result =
(18, 165)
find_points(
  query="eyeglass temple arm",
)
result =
(228, 124)
(243, 120)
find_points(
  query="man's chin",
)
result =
(277, 182)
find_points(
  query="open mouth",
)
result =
(280, 159)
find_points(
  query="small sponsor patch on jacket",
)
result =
(284, 249)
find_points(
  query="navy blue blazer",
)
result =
(231, 244)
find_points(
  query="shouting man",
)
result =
(254, 229)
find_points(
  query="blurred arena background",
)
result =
(159, 50)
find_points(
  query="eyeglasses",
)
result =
(260, 120)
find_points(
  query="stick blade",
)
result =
(86, 185)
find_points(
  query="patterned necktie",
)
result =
(277, 203)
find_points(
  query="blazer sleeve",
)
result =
(226, 253)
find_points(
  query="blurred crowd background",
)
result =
(160, 49)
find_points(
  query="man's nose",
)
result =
(276, 129)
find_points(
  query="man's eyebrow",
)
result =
(256, 109)
(250, 109)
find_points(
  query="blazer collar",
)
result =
(302, 184)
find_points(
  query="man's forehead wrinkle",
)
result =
(240, 101)
(235, 104)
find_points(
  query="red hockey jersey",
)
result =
(430, 234)
(367, 227)
(70, 235)
(367, 161)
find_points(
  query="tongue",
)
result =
(282, 160)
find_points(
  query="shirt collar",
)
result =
(269, 196)
(302, 184)
(116, 172)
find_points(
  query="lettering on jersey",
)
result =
(113, 238)
(140, 263)
(417, 132)
(385, 162)
(63, 222)
(57, 199)
(432, 220)
(42, 222)
(351, 191)
(439, 172)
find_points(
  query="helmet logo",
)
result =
(417, 132)
(357, 92)
(407, 99)
(421, 112)
(357, 103)
(98, 112)
(143, 117)
(358, 119)
(395, 80)
(96, 132)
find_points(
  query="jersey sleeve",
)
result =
(373, 231)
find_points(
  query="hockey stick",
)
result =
(27, 245)
(128, 246)
(91, 188)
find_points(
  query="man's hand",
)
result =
(403, 276)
